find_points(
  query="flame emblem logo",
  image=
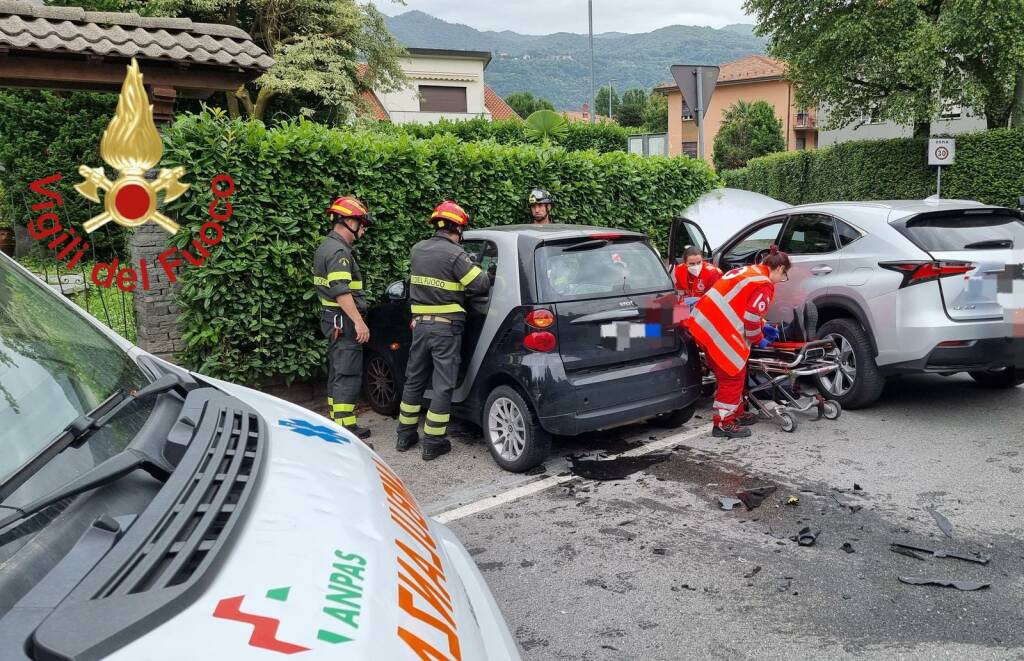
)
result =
(131, 145)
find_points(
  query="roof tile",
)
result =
(497, 106)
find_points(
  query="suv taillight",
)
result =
(540, 318)
(917, 272)
(540, 341)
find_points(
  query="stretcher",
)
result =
(782, 381)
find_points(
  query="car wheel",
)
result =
(380, 387)
(676, 418)
(857, 383)
(515, 438)
(1006, 377)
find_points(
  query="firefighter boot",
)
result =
(435, 449)
(406, 440)
(362, 433)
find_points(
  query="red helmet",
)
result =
(349, 207)
(449, 212)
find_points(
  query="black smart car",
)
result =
(578, 334)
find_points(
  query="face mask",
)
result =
(695, 270)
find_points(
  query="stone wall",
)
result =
(156, 313)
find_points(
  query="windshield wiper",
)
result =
(81, 428)
(991, 243)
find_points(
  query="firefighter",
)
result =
(339, 285)
(442, 274)
(541, 202)
(695, 276)
(725, 323)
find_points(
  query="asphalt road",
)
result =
(650, 567)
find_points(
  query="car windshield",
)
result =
(967, 232)
(54, 367)
(598, 269)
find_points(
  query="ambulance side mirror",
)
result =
(396, 291)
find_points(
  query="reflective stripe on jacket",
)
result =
(335, 272)
(729, 319)
(690, 286)
(442, 273)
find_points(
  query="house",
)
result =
(754, 78)
(444, 84)
(584, 115)
(952, 121)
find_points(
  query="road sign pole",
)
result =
(938, 184)
(699, 114)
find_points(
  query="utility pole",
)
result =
(611, 90)
(590, 17)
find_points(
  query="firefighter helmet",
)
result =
(541, 196)
(350, 207)
(449, 213)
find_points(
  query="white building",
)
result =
(445, 84)
(953, 121)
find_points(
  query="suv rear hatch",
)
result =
(612, 299)
(977, 253)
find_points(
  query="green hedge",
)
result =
(987, 169)
(580, 137)
(249, 313)
(42, 133)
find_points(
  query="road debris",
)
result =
(729, 503)
(847, 547)
(618, 468)
(805, 537)
(966, 586)
(793, 500)
(856, 487)
(896, 548)
(979, 558)
(944, 525)
(754, 496)
(753, 572)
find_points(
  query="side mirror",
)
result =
(396, 291)
(1020, 202)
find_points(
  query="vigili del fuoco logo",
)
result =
(131, 145)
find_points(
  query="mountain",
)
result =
(557, 66)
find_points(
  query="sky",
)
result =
(548, 16)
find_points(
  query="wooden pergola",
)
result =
(68, 48)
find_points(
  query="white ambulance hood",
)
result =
(334, 561)
(723, 212)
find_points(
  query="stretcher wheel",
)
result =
(831, 409)
(788, 421)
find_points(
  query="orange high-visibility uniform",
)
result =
(730, 318)
(695, 286)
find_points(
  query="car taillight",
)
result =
(918, 272)
(540, 341)
(608, 236)
(540, 318)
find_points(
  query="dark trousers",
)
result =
(433, 357)
(344, 367)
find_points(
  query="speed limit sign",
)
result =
(941, 151)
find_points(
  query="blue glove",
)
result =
(771, 333)
(764, 343)
(691, 300)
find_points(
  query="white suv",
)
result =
(906, 286)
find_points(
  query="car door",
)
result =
(682, 234)
(485, 254)
(813, 247)
(751, 245)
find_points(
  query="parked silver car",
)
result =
(907, 286)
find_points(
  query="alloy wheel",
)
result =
(380, 381)
(842, 380)
(507, 427)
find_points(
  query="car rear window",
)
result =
(967, 232)
(597, 269)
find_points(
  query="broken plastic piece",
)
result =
(944, 525)
(856, 487)
(793, 500)
(847, 547)
(753, 572)
(729, 503)
(805, 537)
(979, 558)
(902, 550)
(753, 497)
(966, 586)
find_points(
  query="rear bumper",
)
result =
(615, 397)
(978, 355)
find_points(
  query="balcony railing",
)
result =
(805, 120)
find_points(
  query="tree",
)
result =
(656, 113)
(546, 126)
(748, 130)
(601, 101)
(631, 109)
(316, 46)
(907, 58)
(525, 104)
